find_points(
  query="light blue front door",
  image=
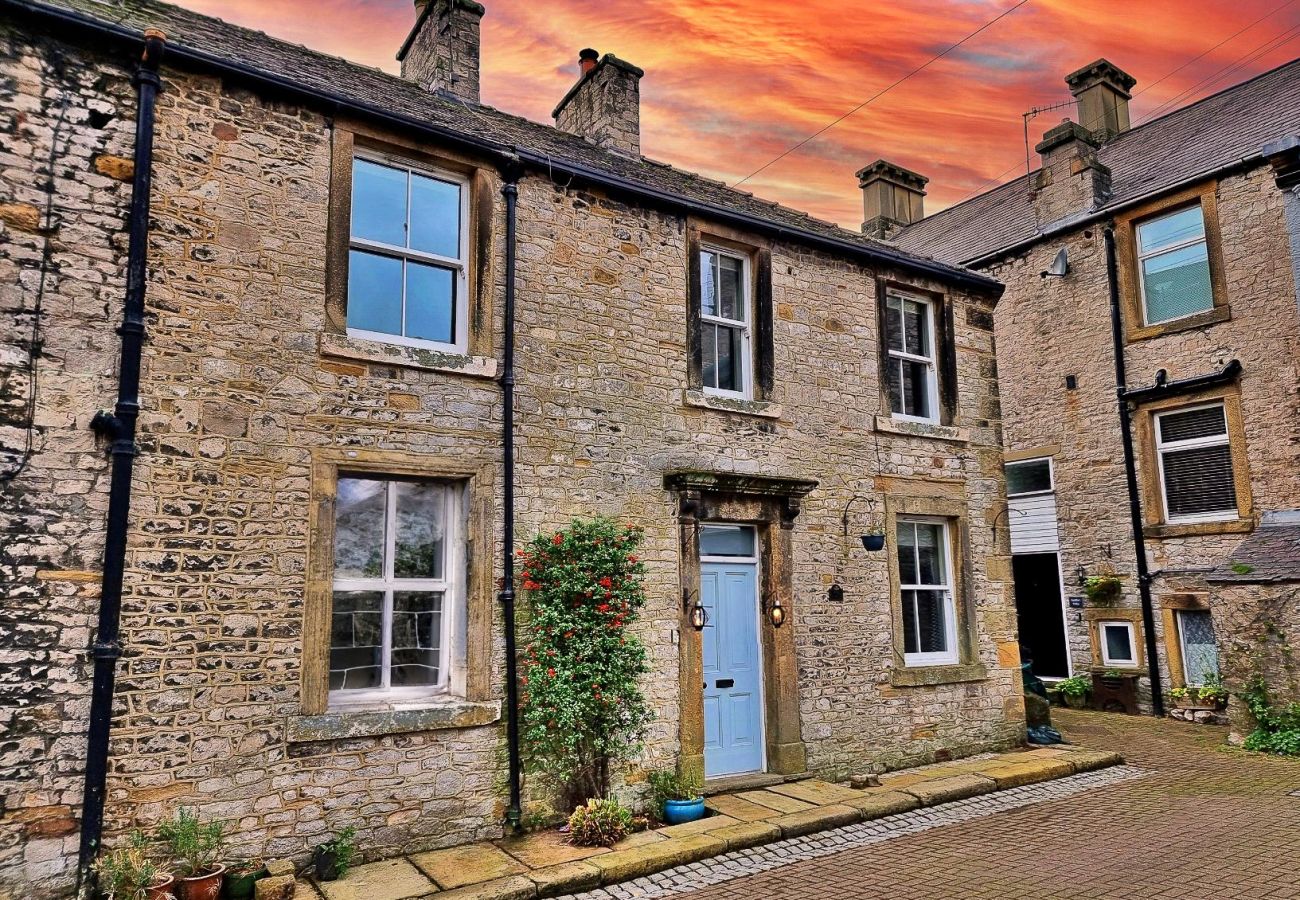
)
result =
(733, 714)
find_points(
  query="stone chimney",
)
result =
(441, 52)
(1071, 179)
(604, 107)
(892, 198)
(1102, 91)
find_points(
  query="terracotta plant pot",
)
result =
(203, 887)
(163, 888)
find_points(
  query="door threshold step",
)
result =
(748, 782)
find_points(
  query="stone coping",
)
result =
(544, 864)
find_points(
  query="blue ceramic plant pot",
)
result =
(873, 542)
(678, 811)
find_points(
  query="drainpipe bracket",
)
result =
(106, 650)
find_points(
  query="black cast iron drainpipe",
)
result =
(511, 173)
(119, 428)
(1130, 473)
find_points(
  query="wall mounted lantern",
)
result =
(776, 613)
(699, 616)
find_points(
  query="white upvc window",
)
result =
(1029, 477)
(397, 590)
(1174, 266)
(1196, 478)
(929, 614)
(912, 364)
(1117, 645)
(408, 255)
(726, 314)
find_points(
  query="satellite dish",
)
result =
(1060, 266)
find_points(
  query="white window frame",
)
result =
(1225, 440)
(460, 284)
(1142, 257)
(1051, 476)
(746, 327)
(1106, 660)
(1180, 615)
(453, 599)
(952, 655)
(896, 357)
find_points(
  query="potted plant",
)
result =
(599, 823)
(333, 858)
(1115, 691)
(241, 879)
(197, 847)
(1073, 691)
(678, 798)
(127, 873)
(874, 540)
(1102, 590)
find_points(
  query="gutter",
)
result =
(1165, 388)
(1130, 473)
(119, 426)
(504, 155)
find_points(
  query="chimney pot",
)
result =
(892, 198)
(1101, 89)
(587, 61)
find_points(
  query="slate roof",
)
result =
(1272, 553)
(1197, 140)
(197, 36)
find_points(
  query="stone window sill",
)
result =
(371, 723)
(342, 346)
(1227, 526)
(922, 676)
(762, 408)
(890, 425)
(1213, 316)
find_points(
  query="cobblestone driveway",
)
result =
(1201, 822)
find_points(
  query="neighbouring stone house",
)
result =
(310, 627)
(1205, 212)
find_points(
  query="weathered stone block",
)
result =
(878, 804)
(818, 818)
(945, 790)
(278, 887)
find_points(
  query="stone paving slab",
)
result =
(543, 849)
(954, 787)
(819, 818)
(738, 808)
(778, 802)
(470, 864)
(391, 879)
(565, 878)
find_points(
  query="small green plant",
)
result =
(1212, 690)
(196, 846)
(127, 872)
(1277, 728)
(668, 785)
(1077, 686)
(1242, 568)
(1180, 693)
(1102, 590)
(599, 823)
(343, 848)
(1112, 673)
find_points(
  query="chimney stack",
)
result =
(1071, 179)
(1102, 91)
(441, 52)
(604, 107)
(892, 198)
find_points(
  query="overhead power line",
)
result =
(925, 65)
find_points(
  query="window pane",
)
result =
(430, 310)
(896, 386)
(709, 353)
(356, 645)
(929, 553)
(359, 528)
(1171, 229)
(435, 216)
(909, 622)
(421, 515)
(708, 284)
(1205, 422)
(378, 202)
(1199, 481)
(916, 389)
(374, 292)
(1119, 648)
(730, 293)
(729, 378)
(726, 540)
(916, 337)
(1028, 477)
(1177, 283)
(1200, 652)
(894, 323)
(931, 621)
(906, 543)
(417, 636)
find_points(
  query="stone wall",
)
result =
(240, 387)
(1054, 327)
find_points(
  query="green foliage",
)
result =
(1074, 686)
(599, 823)
(196, 846)
(582, 706)
(1102, 590)
(668, 785)
(1242, 568)
(1277, 728)
(344, 847)
(127, 872)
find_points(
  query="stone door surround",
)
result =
(771, 504)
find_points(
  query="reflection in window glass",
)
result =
(726, 540)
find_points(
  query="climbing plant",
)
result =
(582, 707)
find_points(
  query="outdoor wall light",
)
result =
(699, 617)
(776, 613)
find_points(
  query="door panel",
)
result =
(1039, 613)
(733, 716)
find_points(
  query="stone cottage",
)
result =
(1176, 241)
(382, 333)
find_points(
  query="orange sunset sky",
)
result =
(730, 84)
